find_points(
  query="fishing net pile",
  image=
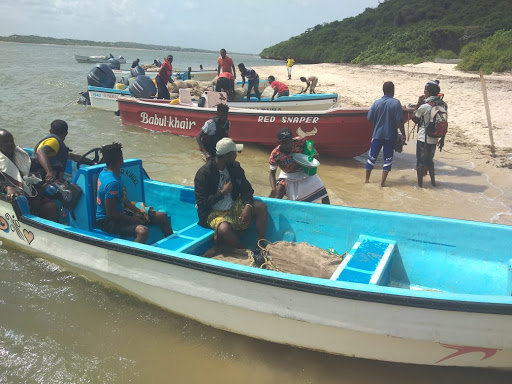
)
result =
(297, 258)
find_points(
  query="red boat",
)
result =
(339, 132)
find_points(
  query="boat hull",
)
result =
(323, 315)
(318, 102)
(339, 132)
(105, 98)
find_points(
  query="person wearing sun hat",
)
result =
(224, 196)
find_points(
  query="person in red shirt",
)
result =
(226, 83)
(163, 77)
(280, 89)
(225, 64)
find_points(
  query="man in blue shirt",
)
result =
(114, 212)
(386, 115)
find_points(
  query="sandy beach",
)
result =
(473, 183)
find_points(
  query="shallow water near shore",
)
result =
(60, 327)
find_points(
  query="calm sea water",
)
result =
(57, 326)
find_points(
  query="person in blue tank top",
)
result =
(114, 212)
(387, 116)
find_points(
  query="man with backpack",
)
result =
(431, 116)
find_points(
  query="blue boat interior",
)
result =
(386, 249)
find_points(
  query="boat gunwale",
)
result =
(261, 276)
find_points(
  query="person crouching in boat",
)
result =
(292, 181)
(114, 212)
(225, 200)
(280, 89)
(213, 130)
(15, 178)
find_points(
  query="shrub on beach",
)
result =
(493, 54)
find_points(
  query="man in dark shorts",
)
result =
(387, 116)
(114, 212)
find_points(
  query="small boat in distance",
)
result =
(408, 288)
(98, 59)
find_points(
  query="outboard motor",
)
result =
(137, 71)
(143, 87)
(101, 76)
(114, 64)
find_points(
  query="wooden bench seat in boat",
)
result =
(368, 262)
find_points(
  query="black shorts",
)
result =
(117, 227)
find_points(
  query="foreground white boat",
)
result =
(412, 289)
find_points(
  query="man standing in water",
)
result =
(386, 115)
(426, 145)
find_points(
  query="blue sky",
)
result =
(239, 26)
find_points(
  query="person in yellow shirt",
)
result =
(289, 65)
(50, 155)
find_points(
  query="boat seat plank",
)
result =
(190, 239)
(368, 262)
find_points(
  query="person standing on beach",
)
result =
(135, 63)
(164, 77)
(280, 89)
(225, 64)
(311, 82)
(289, 65)
(386, 115)
(426, 145)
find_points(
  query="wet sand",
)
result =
(472, 182)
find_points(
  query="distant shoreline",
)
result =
(103, 44)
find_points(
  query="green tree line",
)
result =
(109, 44)
(410, 31)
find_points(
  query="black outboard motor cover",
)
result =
(101, 76)
(143, 87)
(137, 71)
(114, 64)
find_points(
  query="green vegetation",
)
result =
(118, 44)
(410, 31)
(493, 54)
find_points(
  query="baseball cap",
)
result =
(227, 145)
(284, 133)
